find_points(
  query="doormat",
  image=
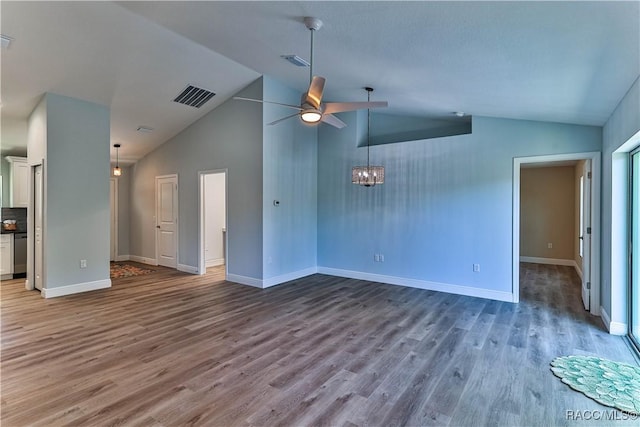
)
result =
(610, 383)
(119, 271)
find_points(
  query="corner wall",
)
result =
(290, 165)
(70, 138)
(621, 126)
(229, 137)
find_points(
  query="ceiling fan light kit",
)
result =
(368, 176)
(311, 116)
(311, 109)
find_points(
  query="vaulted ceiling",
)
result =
(567, 62)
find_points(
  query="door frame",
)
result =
(587, 248)
(114, 224)
(202, 267)
(595, 158)
(155, 215)
(29, 283)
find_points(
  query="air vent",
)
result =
(194, 96)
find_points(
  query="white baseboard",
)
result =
(614, 328)
(123, 258)
(75, 288)
(143, 260)
(214, 262)
(6, 277)
(550, 261)
(187, 268)
(243, 280)
(420, 284)
(272, 281)
(578, 269)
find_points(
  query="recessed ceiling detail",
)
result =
(194, 96)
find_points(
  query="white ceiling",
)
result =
(568, 62)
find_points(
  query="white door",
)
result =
(585, 232)
(167, 220)
(113, 197)
(37, 209)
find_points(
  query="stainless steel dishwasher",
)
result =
(19, 253)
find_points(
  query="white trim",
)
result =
(578, 269)
(187, 269)
(619, 270)
(614, 328)
(420, 284)
(595, 220)
(123, 258)
(214, 262)
(549, 261)
(77, 288)
(243, 280)
(266, 283)
(143, 260)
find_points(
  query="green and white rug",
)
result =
(609, 383)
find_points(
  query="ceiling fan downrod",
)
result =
(313, 24)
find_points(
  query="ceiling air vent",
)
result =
(194, 96)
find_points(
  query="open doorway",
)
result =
(582, 241)
(213, 220)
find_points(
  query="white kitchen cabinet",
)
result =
(6, 256)
(19, 185)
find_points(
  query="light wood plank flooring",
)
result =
(172, 349)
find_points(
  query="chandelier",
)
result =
(368, 176)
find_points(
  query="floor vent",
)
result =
(194, 96)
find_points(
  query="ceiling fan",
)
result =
(311, 109)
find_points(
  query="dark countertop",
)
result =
(13, 231)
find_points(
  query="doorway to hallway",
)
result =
(213, 220)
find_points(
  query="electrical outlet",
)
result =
(550, 245)
(476, 268)
(83, 263)
(376, 258)
(381, 258)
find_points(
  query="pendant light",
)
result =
(368, 176)
(117, 171)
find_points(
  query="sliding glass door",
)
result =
(634, 291)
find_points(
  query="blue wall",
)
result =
(290, 176)
(446, 203)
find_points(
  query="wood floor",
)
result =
(172, 349)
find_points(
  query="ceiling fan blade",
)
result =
(332, 120)
(339, 107)
(314, 94)
(295, 107)
(281, 120)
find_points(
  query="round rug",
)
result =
(609, 383)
